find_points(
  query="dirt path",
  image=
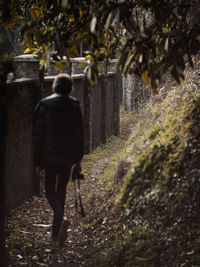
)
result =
(83, 230)
(28, 227)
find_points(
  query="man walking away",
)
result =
(58, 142)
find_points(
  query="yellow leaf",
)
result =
(140, 259)
(43, 61)
(111, 43)
(80, 65)
(164, 30)
(27, 50)
(96, 51)
(157, 50)
(40, 234)
(43, 47)
(146, 77)
(36, 12)
(35, 52)
(37, 38)
(89, 57)
(71, 19)
(109, 31)
(116, 53)
(58, 65)
(67, 63)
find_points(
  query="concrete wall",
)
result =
(134, 92)
(100, 107)
(19, 169)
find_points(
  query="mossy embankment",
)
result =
(158, 177)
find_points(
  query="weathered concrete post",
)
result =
(19, 167)
(87, 116)
(135, 92)
(116, 106)
(103, 109)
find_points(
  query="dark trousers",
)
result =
(56, 180)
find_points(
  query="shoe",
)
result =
(63, 232)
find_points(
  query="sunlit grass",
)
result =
(113, 144)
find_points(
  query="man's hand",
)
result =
(76, 174)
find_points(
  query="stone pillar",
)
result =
(116, 105)
(19, 167)
(103, 109)
(96, 114)
(26, 66)
(87, 117)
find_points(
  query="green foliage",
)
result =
(149, 38)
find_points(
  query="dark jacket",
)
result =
(58, 135)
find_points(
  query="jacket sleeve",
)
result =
(39, 134)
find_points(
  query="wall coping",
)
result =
(26, 58)
(30, 57)
(21, 80)
(50, 78)
(77, 76)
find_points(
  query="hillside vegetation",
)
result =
(157, 176)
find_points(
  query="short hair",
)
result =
(63, 84)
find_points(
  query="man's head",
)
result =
(63, 84)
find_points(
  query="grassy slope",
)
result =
(159, 175)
